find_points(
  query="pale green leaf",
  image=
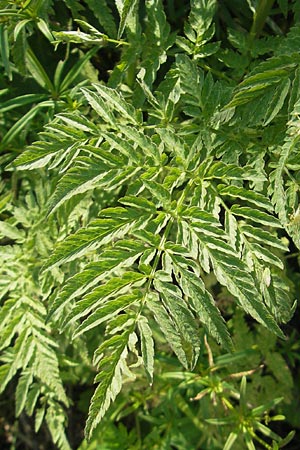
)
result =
(110, 380)
(98, 296)
(123, 254)
(245, 194)
(256, 216)
(167, 327)
(183, 319)
(125, 13)
(99, 232)
(116, 102)
(147, 346)
(23, 386)
(99, 105)
(106, 312)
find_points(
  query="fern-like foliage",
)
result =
(190, 197)
(28, 346)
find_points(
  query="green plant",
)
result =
(173, 198)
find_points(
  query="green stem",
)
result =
(259, 18)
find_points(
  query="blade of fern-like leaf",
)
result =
(203, 304)
(97, 298)
(109, 377)
(65, 132)
(167, 326)
(174, 145)
(265, 255)
(75, 7)
(79, 122)
(56, 421)
(201, 216)
(86, 176)
(116, 102)
(245, 194)
(278, 100)
(99, 105)
(232, 273)
(263, 236)
(183, 319)
(148, 147)
(22, 389)
(276, 188)
(46, 369)
(124, 147)
(147, 346)
(225, 171)
(125, 9)
(23, 350)
(158, 192)
(39, 154)
(265, 76)
(99, 232)
(39, 417)
(295, 91)
(139, 203)
(103, 13)
(10, 324)
(256, 216)
(32, 399)
(123, 254)
(154, 52)
(106, 312)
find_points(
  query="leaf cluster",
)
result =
(164, 201)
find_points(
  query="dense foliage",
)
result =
(149, 224)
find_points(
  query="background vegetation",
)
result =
(149, 224)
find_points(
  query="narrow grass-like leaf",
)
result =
(38, 72)
(24, 121)
(21, 100)
(76, 70)
(4, 50)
